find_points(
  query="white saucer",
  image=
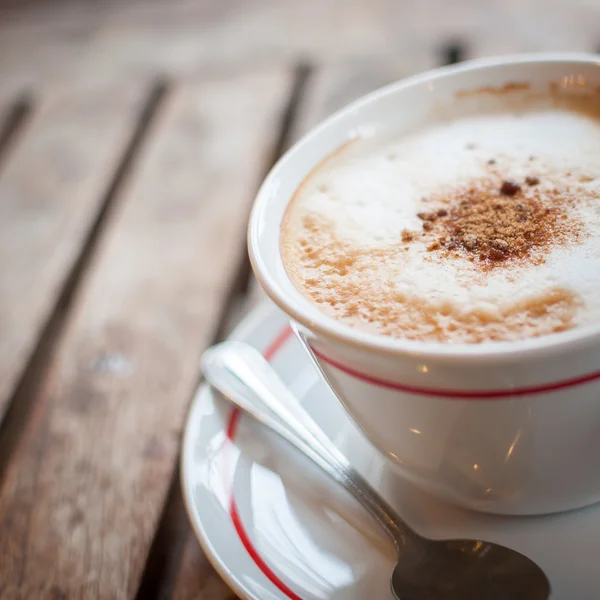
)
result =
(276, 528)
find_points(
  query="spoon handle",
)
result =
(247, 380)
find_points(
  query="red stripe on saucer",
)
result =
(255, 556)
(273, 348)
(461, 394)
(234, 417)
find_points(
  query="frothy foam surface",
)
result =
(399, 236)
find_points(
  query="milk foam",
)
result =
(342, 234)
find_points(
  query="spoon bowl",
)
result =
(467, 570)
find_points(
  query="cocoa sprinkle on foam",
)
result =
(498, 221)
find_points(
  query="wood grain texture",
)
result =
(329, 89)
(52, 186)
(197, 579)
(336, 84)
(66, 39)
(85, 488)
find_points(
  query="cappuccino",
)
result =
(477, 227)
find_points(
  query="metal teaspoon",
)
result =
(427, 569)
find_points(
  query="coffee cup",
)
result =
(508, 427)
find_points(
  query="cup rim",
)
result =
(578, 338)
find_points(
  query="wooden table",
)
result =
(133, 137)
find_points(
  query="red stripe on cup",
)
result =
(461, 394)
(270, 351)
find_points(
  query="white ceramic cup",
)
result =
(504, 427)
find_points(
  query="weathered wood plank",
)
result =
(197, 579)
(67, 39)
(500, 28)
(330, 88)
(52, 187)
(336, 84)
(82, 496)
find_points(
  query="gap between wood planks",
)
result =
(14, 123)
(166, 549)
(23, 398)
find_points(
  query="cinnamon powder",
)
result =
(495, 221)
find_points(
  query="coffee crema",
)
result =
(481, 227)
